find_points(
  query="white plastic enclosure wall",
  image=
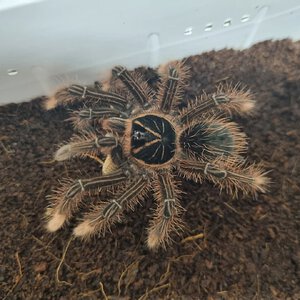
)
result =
(44, 43)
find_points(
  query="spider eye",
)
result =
(138, 135)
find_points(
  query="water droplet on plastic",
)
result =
(208, 27)
(227, 23)
(245, 18)
(12, 72)
(188, 31)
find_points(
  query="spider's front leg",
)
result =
(104, 215)
(167, 214)
(88, 117)
(227, 99)
(171, 88)
(68, 197)
(78, 93)
(135, 84)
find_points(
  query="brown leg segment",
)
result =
(101, 97)
(233, 177)
(88, 144)
(138, 88)
(104, 215)
(78, 93)
(169, 90)
(167, 214)
(228, 99)
(174, 76)
(86, 117)
(67, 198)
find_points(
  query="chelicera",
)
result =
(144, 142)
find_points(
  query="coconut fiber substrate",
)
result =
(244, 248)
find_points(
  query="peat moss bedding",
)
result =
(243, 249)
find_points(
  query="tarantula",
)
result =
(142, 140)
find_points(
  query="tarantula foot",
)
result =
(61, 97)
(56, 221)
(153, 240)
(84, 229)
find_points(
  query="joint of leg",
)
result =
(127, 173)
(84, 92)
(173, 78)
(118, 204)
(169, 200)
(219, 98)
(224, 174)
(121, 71)
(81, 185)
(144, 176)
(206, 168)
(97, 142)
(211, 170)
(214, 97)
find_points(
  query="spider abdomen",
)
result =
(205, 140)
(153, 139)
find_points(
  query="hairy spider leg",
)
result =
(170, 89)
(167, 213)
(88, 144)
(227, 99)
(231, 177)
(104, 215)
(77, 93)
(86, 117)
(134, 83)
(100, 97)
(68, 197)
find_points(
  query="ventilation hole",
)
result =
(245, 18)
(188, 31)
(208, 27)
(12, 72)
(227, 23)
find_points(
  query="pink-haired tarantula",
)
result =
(142, 141)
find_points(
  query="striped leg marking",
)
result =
(105, 215)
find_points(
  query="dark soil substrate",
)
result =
(250, 248)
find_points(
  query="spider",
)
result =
(144, 142)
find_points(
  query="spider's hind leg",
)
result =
(167, 214)
(229, 99)
(105, 214)
(230, 176)
(68, 197)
